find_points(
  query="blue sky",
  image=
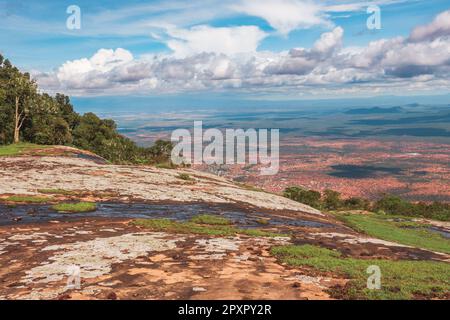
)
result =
(275, 48)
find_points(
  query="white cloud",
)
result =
(104, 60)
(224, 40)
(301, 61)
(284, 15)
(329, 41)
(439, 27)
(213, 59)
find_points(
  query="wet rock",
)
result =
(111, 296)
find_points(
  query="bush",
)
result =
(395, 205)
(184, 176)
(308, 197)
(388, 204)
(332, 200)
(356, 203)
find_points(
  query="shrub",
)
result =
(332, 200)
(309, 197)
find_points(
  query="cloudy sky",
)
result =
(277, 49)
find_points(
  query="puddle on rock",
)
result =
(20, 214)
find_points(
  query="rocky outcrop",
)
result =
(25, 175)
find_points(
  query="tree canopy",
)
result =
(30, 116)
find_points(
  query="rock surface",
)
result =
(115, 259)
(26, 175)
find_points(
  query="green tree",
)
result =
(40, 118)
(161, 151)
(355, 203)
(17, 91)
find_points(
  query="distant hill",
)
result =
(374, 110)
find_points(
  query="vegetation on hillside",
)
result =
(19, 148)
(26, 115)
(402, 231)
(401, 279)
(388, 204)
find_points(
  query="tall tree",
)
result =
(24, 91)
(18, 92)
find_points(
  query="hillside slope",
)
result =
(70, 169)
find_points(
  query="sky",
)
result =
(271, 50)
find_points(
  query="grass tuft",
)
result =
(28, 199)
(185, 176)
(75, 207)
(191, 227)
(210, 219)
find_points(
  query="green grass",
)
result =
(58, 191)
(185, 176)
(210, 219)
(18, 148)
(401, 279)
(191, 227)
(165, 165)
(262, 221)
(28, 199)
(75, 207)
(400, 232)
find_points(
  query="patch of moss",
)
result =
(262, 221)
(210, 219)
(75, 207)
(185, 176)
(191, 227)
(28, 199)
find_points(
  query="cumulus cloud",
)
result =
(210, 59)
(226, 40)
(86, 69)
(329, 42)
(285, 15)
(439, 27)
(301, 61)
